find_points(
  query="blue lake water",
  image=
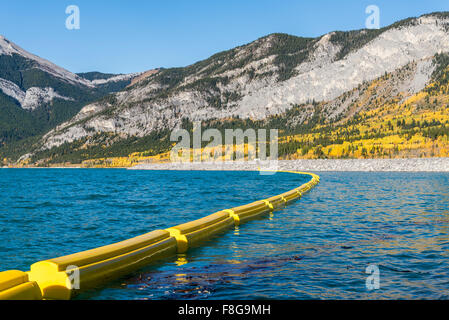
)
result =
(316, 248)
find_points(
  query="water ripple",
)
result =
(317, 248)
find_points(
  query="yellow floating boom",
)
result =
(61, 278)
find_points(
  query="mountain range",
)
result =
(342, 87)
(36, 95)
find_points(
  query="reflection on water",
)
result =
(181, 260)
(199, 282)
(316, 248)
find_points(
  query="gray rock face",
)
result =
(31, 98)
(322, 76)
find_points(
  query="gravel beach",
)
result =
(392, 165)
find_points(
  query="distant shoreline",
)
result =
(68, 167)
(318, 165)
(358, 165)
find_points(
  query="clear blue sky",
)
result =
(128, 36)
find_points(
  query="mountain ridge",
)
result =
(36, 95)
(259, 81)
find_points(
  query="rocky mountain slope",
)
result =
(36, 95)
(278, 80)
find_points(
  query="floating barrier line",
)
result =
(61, 278)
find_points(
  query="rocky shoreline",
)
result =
(364, 165)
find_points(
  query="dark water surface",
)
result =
(316, 248)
